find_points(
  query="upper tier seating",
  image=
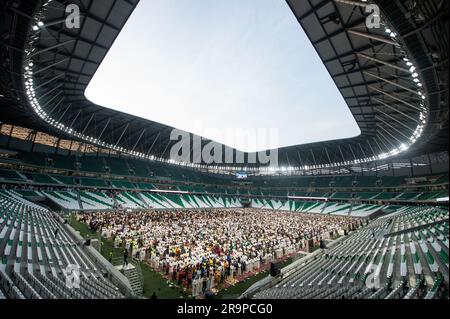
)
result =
(385, 196)
(431, 195)
(10, 175)
(36, 159)
(66, 180)
(63, 162)
(121, 184)
(28, 193)
(392, 181)
(145, 186)
(149, 169)
(366, 181)
(407, 196)
(344, 181)
(341, 195)
(93, 182)
(92, 164)
(365, 195)
(117, 166)
(43, 178)
(443, 179)
(140, 168)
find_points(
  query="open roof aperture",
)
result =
(219, 67)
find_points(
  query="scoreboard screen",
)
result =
(241, 175)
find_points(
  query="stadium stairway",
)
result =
(65, 200)
(129, 201)
(133, 273)
(151, 201)
(95, 201)
(134, 280)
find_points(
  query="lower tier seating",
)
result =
(401, 255)
(37, 253)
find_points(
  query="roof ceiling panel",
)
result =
(91, 29)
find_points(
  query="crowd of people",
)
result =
(200, 249)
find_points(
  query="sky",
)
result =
(220, 68)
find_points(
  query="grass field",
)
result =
(236, 290)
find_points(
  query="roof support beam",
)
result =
(49, 81)
(351, 150)
(17, 11)
(396, 120)
(371, 149)
(121, 135)
(53, 22)
(87, 124)
(338, 32)
(349, 53)
(75, 57)
(74, 119)
(390, 82)
(56, 105)
(314, 158)
(373, 37)
(287, 159)
(362, 150)
(153, 144)
(300, 158)
(353, 3)
(378, 139)
(328, 155)
(50, 66)
(64, 113)
(357, 70)
(61, 44)
(165, 149)
(395, 98)
(394, 128)
(51, 100)
(342, 154)
(386, 140)
(391, 65)
(395, 109)
(137, 142)
(390, 134)
(50, 91)
(104, 128)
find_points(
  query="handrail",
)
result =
(118, 261)
(137, 265)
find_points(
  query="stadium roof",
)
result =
(46, 68)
